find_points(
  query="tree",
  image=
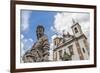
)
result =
(66, 57)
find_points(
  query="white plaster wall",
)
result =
(82, 45)
(76, 55)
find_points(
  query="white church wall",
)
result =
(76, 55)
(82, 45)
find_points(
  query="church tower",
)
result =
(76, 28)
(81, 41)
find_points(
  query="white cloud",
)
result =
(31, 40)
(54, 36)
(53, 29)
(26, 44)
(25, 20)
(63, 21)
(22, 36)
(86, 29)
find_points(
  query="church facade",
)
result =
(71, 47)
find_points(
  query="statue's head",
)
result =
(39, 31)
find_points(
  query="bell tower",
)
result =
(76, 28)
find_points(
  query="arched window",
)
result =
(71, 49)
(75, 30)
(60, 54)
(83, 50)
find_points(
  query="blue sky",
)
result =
(30, 19)
(45, 18)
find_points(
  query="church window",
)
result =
(85, 43)
(71, 49)
(55, 42)
(75, 30)
(83, 50)
(60, 54)
(56, 56)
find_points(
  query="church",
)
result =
(71, 47)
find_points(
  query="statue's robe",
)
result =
(39, 51)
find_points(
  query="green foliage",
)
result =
(66, 57)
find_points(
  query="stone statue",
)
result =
(40, 50)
